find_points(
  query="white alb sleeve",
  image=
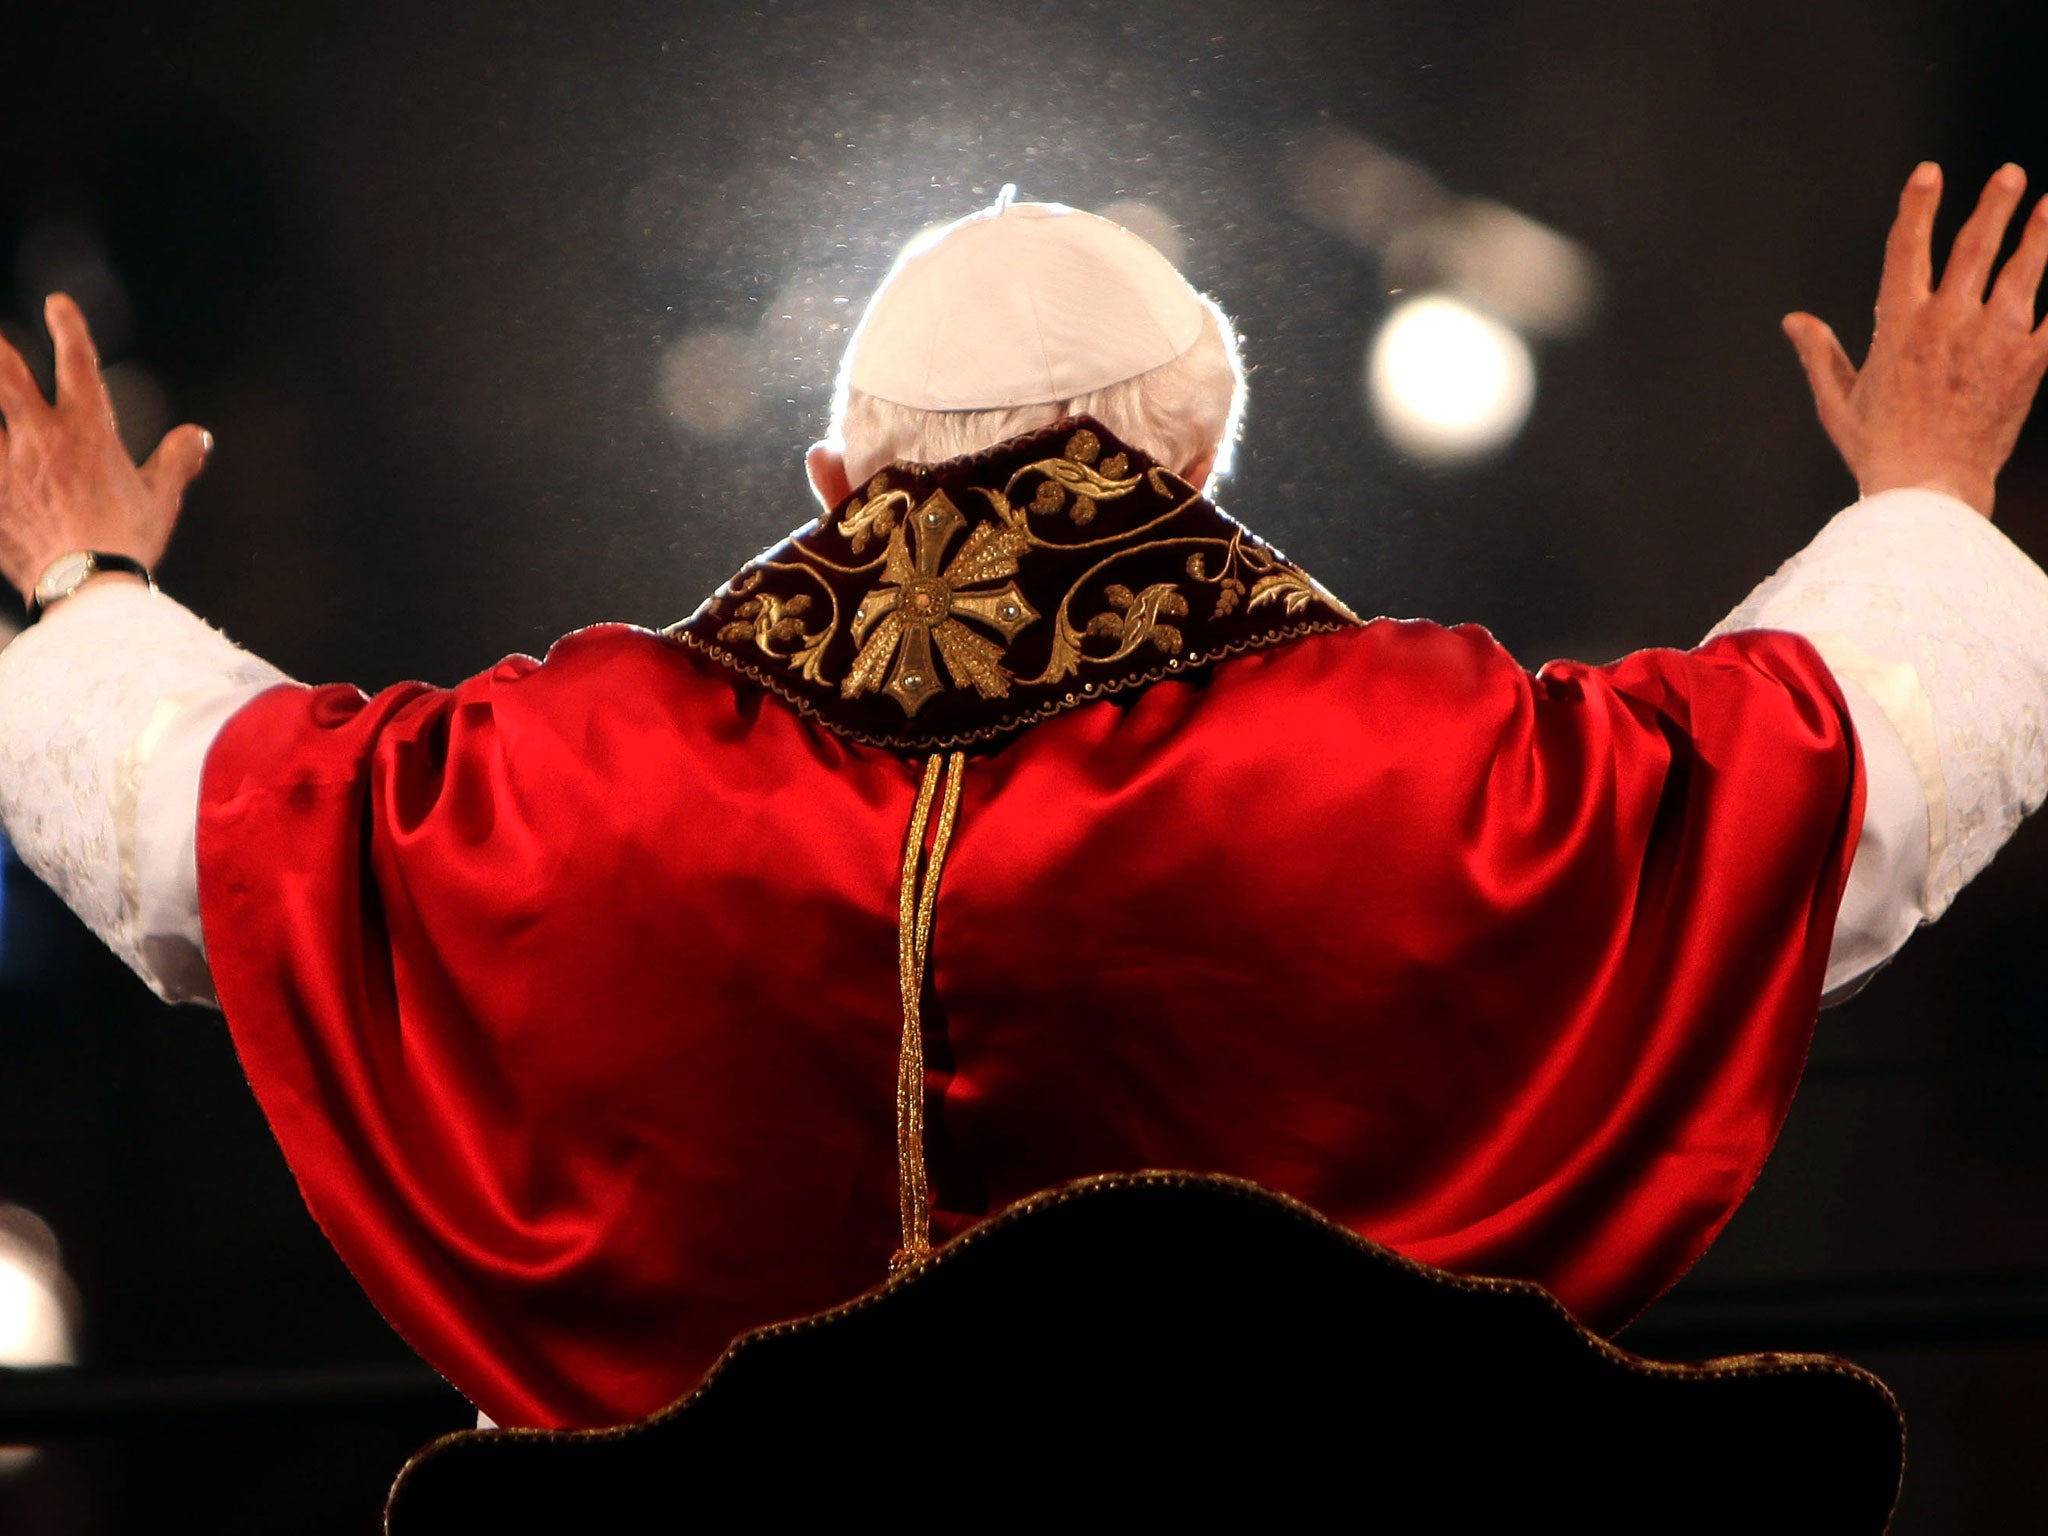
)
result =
(1881, 905)
(1933, 620)
(107, 708)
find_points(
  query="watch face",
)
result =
(65, 574)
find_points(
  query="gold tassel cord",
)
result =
(917, 901)
(928, 899)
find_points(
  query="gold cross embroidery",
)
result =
(920, 607)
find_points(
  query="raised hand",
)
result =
(66, 482)
(1951, 373)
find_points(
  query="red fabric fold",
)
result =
(571, 993)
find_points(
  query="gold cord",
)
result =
(917, 901)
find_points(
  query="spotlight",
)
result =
(1447, 382)
(36, 1304)
(35, 1295)
(31, 1322)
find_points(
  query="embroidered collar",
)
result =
(946, 604)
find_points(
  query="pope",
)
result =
(1024, 816)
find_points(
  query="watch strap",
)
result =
(96, 561)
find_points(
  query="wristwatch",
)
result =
(67, 573)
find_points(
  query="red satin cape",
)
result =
(571, 993)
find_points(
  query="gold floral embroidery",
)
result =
(873, 519)
(1075, 474)
(1229, 588)
(920, 606)
(1273, 581)
(769, 621)
(1140, 618)
(1134, 619)
(1291, 587)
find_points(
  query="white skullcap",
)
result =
(1020, 304)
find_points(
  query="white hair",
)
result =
(1175, 412)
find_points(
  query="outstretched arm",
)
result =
(107, 706)
(1934, 623)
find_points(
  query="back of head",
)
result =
(1024, 313)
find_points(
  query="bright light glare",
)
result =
(32, 1326)
(35, 1295)
(1150, 224)
(141, 409)
(710, 382)
(1447, 382)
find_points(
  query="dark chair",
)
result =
(1154, 1348)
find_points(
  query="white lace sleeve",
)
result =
(106, 709)
(1943, 622)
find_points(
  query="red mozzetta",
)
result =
(572, 993)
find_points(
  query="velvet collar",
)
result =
(946, 604)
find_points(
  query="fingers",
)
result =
(2021, 279)
(176, 463)
(1908, 258)
(1969, 262)
(1828, 369)
(78, 364)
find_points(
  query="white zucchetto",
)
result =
(1020, 304)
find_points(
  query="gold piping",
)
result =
(917, 901)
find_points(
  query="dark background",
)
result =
(418, 268)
